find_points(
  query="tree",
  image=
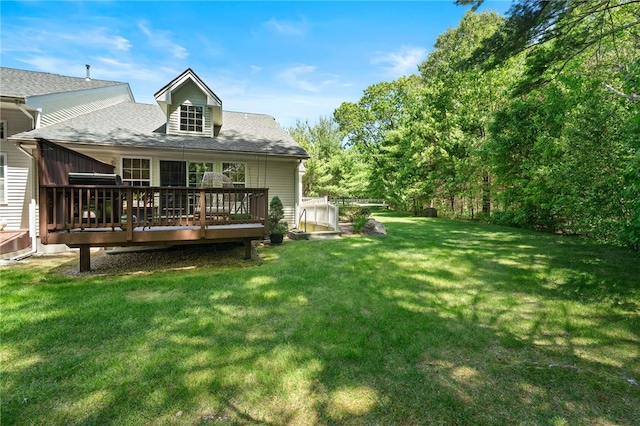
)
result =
(552, 33)
(333, 169)
(462, 102)
(365, 124)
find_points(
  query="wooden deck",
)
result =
(86, 216)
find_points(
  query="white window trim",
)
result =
(203, 112)
(5, 189)
(137, 158)
(222, 163)
(189, 162)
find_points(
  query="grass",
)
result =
(440, 322)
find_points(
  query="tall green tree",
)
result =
(563, 150)
(333, 169)
(551, 33)
(383, 108)
(461, 103)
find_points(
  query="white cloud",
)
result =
(296, 76)
(63, 39)
(403, 61)
(98, 37)
(162, 40)
(55, 65)
(286, 28)
(305, 77)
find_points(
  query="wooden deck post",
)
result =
(247, 249)
(85, 257)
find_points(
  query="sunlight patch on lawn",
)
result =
(352, 400)
(14, 361)
(624, 355)
(198, 378)
(299, 299)
(82, 409)
(530, 393)
(259, 281)
(181, 339)
(414, 307)
(465, 374)
(220, 295)
(148, 295)
(271, 294)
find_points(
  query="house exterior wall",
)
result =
(281, 181)
(192, 94)
(15, 211)
(21, 171)
(277, 174)
(58, 107)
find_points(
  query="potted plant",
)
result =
(277, 227)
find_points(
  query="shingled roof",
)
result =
(143, 126)
(23, 83)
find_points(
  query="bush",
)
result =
(349, 213)
(276, 214)
(359, 222)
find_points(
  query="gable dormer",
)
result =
(190, 106)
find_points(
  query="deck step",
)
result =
(319, 235)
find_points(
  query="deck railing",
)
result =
(92, 207)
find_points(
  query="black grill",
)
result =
(95, 179)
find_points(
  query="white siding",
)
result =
(16, 210)
(192, 94)
(63, 106)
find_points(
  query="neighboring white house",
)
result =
(169, 144)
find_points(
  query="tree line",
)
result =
(528, 120)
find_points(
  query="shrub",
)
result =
(359, 218)
(276, 214)
(359, 222)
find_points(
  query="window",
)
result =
(136, 171)
(173, 173)
(191, 118)
(3, 129)
(235, 172)
(196, 171)
(3, 178)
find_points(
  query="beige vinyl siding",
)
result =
(281, 181)
(15, 210)
(191, 94)
(63, 106)
(16, 120)
(280, 173)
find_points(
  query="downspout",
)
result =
(32, 214)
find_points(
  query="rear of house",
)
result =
(173, 143)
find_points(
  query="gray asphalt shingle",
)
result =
(143, 126)
(23, 83)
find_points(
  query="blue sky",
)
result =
(292, 60)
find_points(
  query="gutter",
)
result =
(32, 216)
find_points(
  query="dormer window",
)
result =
(191, 118)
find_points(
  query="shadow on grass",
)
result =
(438, 322)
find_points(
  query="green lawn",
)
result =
(440, 322)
